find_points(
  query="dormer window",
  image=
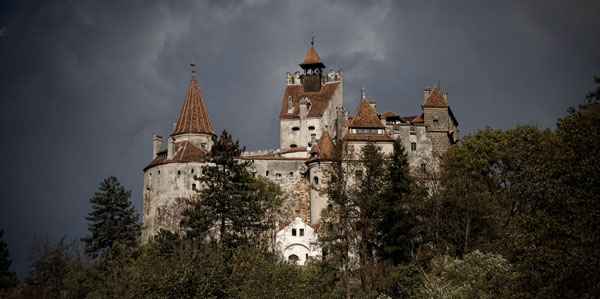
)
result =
(364, 131)
(290, 105)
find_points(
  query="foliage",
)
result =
(477, 275)
(8, 279)
(112, 219)
(233, 207)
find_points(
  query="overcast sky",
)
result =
(84, 84)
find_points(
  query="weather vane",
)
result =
(193, 64)
(312, 38)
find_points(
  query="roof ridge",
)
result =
(435, 99)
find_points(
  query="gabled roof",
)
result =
(435, 99)
(185, 151)
(318, 100)
(418, 119)
(389, 114)
(312, 58)
(365, 117)
(193, 117)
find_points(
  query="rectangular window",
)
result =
(367, 131)
(293, 231)
(301, 232)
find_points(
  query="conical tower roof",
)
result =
(312, 59)
(193, 117)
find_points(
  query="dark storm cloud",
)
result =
(84, 84)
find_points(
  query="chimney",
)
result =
(373, 105)
(340, 122)
(426, 93)
(170, 148)
(445, 96)
(157, 144)
(174, 125)
(303, 108)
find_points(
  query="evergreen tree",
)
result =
(395, 228)
(232, 206)
(8, 279)
(112, 219)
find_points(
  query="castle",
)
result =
(312, 119)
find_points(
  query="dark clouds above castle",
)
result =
(84, 84)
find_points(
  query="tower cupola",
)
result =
(313, 70)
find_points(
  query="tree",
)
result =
(232, 207)
(395, 209)
(112, 219)
(8, 279)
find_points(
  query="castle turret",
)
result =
(440, 123)
(313, 70)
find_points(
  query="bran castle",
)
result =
(312, 119)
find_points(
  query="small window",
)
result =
(291, 174)
(203, 171)
(147, 188)
(358, 173)
(301, 232)
(316, 180)
(311, 127)
(293, 146)
(193, 186)
(159, 172)
(413, 146)
(423, 167)
(192, 170)
(293, 258)
(203, 145)
(278, 175)
(295, 129)
(293, 231)
(178, 172)
(435, 121)
(267, 173)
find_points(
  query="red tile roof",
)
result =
(311, 57)
(389, 114)
(318, 100)
(193, 117)
(365, 117)
(185, 151)
(324, 147)
(418, 119)
(435, 99)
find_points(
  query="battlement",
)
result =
(331, 77)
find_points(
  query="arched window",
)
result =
(293, 258)
(178, 172)
(192, 170)
(193, 186)
(413, 146)
(316, 180)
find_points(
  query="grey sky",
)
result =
(84, 84)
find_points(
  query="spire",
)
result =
(193, 117)
(193, 65)
(312, 60)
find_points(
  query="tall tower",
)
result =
(169, 179)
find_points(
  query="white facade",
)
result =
(297, 242)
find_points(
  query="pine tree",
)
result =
(394, 227)
(232, 205)
(112, 220)
(8, 279)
